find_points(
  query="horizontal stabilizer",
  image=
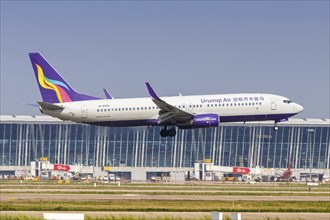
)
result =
(31, 104)
(49, 106)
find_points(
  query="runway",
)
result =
(108, 197)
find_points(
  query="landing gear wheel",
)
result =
(172, 132)
(275, 128)
(164, 132)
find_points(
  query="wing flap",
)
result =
(165, 117)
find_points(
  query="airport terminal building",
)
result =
(304, 142)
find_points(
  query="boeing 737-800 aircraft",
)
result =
(201, 111)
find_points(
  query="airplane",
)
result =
(287, 174)
(284, 175)
(60, 100)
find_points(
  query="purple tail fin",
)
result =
(53, 88)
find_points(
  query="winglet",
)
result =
(152, 92)
(107, 94)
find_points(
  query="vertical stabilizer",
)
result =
(53, 88)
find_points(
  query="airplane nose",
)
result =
(299, 108)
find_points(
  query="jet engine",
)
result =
(202, 121)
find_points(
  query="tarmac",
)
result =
(9, 193)
(108, 197)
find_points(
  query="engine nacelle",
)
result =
(203, 121)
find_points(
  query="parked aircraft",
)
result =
(285, 175)
(185, 112)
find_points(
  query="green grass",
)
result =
(18, 217)
(138, 218)
(107, 217)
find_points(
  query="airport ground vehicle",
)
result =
(231, 177)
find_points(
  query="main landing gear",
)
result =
(165, 133)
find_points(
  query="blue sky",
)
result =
(187, 47)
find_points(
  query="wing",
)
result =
(168, 113)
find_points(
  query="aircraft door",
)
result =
(84, 112)
(273, 103)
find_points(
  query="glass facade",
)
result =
(228, 145)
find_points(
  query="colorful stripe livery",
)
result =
(55, 85)
(53, 88)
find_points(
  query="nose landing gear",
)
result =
(165, 133)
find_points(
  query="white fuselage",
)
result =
(144, 112)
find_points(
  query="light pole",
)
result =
(310, 132)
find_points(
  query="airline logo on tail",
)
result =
(57, 86)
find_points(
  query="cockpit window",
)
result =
(287, 101)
